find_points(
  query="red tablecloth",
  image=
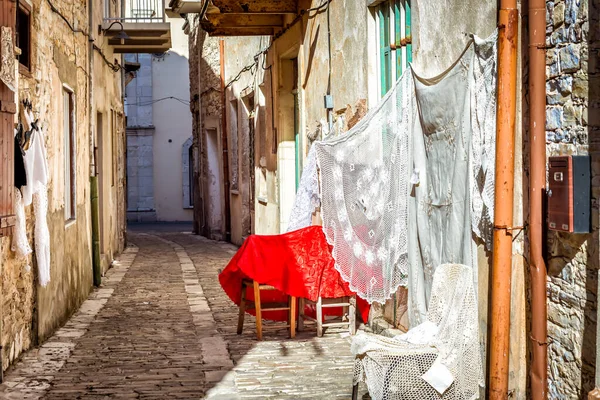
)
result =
(296, 263)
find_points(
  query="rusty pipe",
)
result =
(537, 185)
(224, 142)
(503, 200)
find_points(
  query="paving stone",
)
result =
(161, 327)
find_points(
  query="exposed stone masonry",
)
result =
(572, 127)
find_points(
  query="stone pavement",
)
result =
(160, 327)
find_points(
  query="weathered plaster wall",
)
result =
(573, 127)
(206, 106)
(31, 313)
(108, 100)
(239, 53)
(172, 120)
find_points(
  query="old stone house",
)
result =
(70, 69)
(258, 82)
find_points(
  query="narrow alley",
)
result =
(161, 327)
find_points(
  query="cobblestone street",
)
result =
(160, 327)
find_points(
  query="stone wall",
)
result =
(573, 127)
(206, 106)
(59, 56)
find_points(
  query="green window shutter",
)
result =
(398, 33)
(408, 33)
(385, 48)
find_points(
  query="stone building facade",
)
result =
(59, 65)
(573, 127)
(272, 82)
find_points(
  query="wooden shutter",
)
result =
(7, 111)
(385, 48)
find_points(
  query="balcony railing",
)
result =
(140, 11)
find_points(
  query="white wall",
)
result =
(173, 126)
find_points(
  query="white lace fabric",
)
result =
(20, 243)
(36, 192)
(377, 191)
(364, 192)
(483, 136)
(396, 369)
(307, 197)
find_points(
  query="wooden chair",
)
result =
(259, 307)
(348, 303)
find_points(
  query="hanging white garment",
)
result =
(364, 193)
(439, 359)
(20, 244)
(307, 196)
(42, 235)
(36, 167)
(483, 139)
(36, 191)
(456, 164)
(369, 174)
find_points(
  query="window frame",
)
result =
(25, 8)
(393, 41)
(69, 148)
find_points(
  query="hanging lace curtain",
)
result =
(364, 193)
(369, 177)
(307, 195)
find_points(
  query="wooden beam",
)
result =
(244, 20)
(257, 6)
(119, 49)
(249, 31)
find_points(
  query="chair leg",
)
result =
(242, 311)
(292, 317)
(355, 392)
(346, 309)
(352, 315)
(319, 317)
(301, 314)
(257, 307)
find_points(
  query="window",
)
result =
(23, 35)
(394, 41)
(69, 152)
(107, 8)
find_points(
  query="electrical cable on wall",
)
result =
(116, 67)
(324, 6)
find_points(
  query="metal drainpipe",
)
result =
(94, 207)
(537, 185)
(503, 201)
(224, 142)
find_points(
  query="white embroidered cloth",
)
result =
(447, 366)
(453, 147)
(36, 191)
(364, 193)
(307, 195)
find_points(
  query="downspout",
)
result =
(503, 200)
(95, 213)
(537, 185)
(224, 142)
